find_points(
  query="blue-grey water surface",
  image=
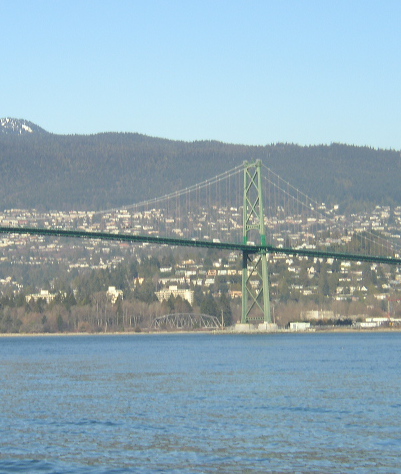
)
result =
(201, 403)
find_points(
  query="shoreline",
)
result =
(211, 332)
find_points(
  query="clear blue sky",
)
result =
(252, 72)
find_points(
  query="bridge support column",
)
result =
(255, 280)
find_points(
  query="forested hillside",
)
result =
(47, 171)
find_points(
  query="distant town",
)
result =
(320, 292)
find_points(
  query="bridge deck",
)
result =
(247, 249)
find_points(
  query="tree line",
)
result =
(115, 169)
(81, 304)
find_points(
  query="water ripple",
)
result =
(201, 404)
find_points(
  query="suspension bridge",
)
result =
(249, 210)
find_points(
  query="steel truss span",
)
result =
(245, 249)
(186, 321)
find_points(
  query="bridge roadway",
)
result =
(245, 249)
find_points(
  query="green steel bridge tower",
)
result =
(255, 297)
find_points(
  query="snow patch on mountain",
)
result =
(13, 126)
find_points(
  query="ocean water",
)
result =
(201, 403)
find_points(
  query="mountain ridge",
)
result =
(39, 169)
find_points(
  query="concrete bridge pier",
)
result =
(257, 327)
